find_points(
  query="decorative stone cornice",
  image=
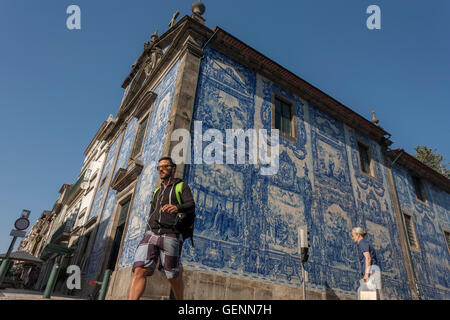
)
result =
(124, 177)
(145, 101)
(153, 60)
(97, 134)
(109, 127)
(90, 222)
(169, 37)
(193, 47)
(141, 101)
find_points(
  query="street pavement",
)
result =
(21, 294)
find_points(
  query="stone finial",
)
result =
(374, 120)
(198, 9)
(174, 18)
(154, 37)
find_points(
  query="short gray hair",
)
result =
(359, 230)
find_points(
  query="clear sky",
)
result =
(57, 85)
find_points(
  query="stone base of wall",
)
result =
(157, 288)
(209, 286)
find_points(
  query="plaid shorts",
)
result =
(167, 247)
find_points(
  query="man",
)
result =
(164, 236)
(367, 258)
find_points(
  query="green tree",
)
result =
(433, 159)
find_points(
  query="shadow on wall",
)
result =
(329, 293)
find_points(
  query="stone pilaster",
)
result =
(401, 230)
(184, 96)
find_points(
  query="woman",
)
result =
(367, 258)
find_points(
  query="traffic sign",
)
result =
(25, 213)
(22, 223)
(18, 233)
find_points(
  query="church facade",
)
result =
(334, 172)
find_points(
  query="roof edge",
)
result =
(416, 166)
(319, 98)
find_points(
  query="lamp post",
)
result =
(303, 248)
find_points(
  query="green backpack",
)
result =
(188, 231)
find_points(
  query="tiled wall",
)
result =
(105, 220)
(431, 261)
(247, 223)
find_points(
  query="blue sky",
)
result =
(57, 86)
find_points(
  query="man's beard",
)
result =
(166, 176)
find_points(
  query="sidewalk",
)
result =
(21, 294)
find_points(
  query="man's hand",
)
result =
(169, 208)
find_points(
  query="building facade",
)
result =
(64, 231)
(33, 241)
(334, 171)
(424, 202)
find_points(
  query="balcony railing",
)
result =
(63, 231)
(73, 190)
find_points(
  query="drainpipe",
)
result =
(105, 284)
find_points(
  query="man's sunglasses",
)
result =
(164, 167)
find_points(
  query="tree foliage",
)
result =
(433, 159)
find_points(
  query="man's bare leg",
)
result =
(177, 287)
(138, 283)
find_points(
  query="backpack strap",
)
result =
(154, 193)
(178, 191)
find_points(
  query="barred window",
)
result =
(411, 232)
